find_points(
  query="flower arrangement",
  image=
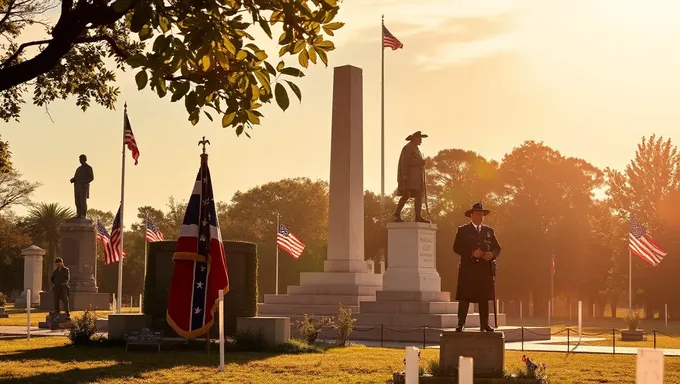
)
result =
(534, 370)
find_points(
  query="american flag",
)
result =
(642, 245)
(289, 242)
(389, 41)
(152, 232)
(129, 139)
(105, 238)
(199, 263)
(113, 254)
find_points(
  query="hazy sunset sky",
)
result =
(589, 78)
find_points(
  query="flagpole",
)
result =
(96, 248)
(122, 209)
(146, 252)
(552, 283)
(277, 253)
(382, 115)
(630, 281)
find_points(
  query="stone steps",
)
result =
(419, 320)
(431, 307)
(332, 289)
(432, 336)
(317, 299)
(300, 309)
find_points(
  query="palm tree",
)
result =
(43, 222)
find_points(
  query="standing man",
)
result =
(478, 249)
(81, 186)
(60, 288)
(411, 177)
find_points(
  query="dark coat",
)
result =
(411, 171)
(475, 281)
(60, 278)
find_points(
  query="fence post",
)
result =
(655, 339)
(424, 330)
(522, 338)
(613, 341)
(28, 314)
(568, 332)
(381, 335)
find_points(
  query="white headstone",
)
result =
(33, 263)
(465, 370)
(649, 368)
(382, 266)
(370, 266)
(412, 365)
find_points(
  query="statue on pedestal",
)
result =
(411, 177)
(81, 186)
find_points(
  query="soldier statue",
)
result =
(411, 177)
(478, 249)
(81, 186)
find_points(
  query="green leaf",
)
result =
(141, 78)
(136, 60)
(281, 96)
(181, 89)
(205, 63)
(209, 117)
(252, 117)
(284, 49)
(325, 45)
(332, 3)
(304, 59)
(140, 17)
(261, 55)
(290, 71)
(146, 32)
(239, 130)
(241, 55)
(161, 90)
(270, 69)
(330, 15)
(295, 89)
(164, 23)
(329, 32)
(265, 27)
(121, 6)
(322, 54)
(222, 59)
(194, 117)
(229, 45)
(280, 65)
(334, 26)
(190, 102)
(299, 46)
(312, 55)
(158, 43)
(264, 81)
(227, 119)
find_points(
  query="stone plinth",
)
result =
(121, 324)
(486, 348)
(345, 279)
(411, 306)
(3, 315)
(77, 248)
(275, 330)
(78, 301)
(33, 264)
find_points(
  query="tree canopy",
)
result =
(202, 52)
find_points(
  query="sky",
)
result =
(589, 78)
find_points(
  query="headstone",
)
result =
(465, 370)
(382, 266)
(370, 266)
(33, 264)
(412, 365)
(486, 348)
(649, 366)
(274, 330)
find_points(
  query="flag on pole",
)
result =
(642, 245)
(105, 238)
(389, 41)
(152, 232)
(289, 242)
(129, 138)
(200, 267)
(112, 250)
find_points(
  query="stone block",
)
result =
(411, 256)
(3, 315)
(79, 301)
(77, 248)
(412, 296)
(121, 324)
(341, 278)
(486, 348)
(299, 308)
(345, 300)
(332, 289)
(275, 330)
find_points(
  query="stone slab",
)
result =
(486, 348)
(275, 330)
(79, 301)
(333, 289)
(411, 296)
(121, 324)
(341, 278)
(300, 308)
(409, 307)
(3, 315)
(411, 258)
(317, 299)
(446, 320)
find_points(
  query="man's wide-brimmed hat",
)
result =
(414, 135)
(477, 207)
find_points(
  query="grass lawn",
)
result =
(51, 360)
(19, 316)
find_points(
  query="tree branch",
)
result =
(112, 43)
(8, 13)
(23, 46)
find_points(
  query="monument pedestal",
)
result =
(411, 307)
(77, 249)
(33, 264)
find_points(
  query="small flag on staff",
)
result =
(389, 41)
(105, 238)
(289, 242)
(129, 139)
(152, 232)
(642, 245)
(113, 253)
(200, 266)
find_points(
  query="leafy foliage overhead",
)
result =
(201, 52)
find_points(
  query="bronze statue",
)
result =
(411, 177)
(81, 186)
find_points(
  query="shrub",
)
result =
(311, 327)
(83, 328)
(343, 325)
(633, 319)
(3, 299)
(251, 342)
(295, 347)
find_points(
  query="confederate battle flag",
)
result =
(200, 267)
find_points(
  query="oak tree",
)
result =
(201, 52)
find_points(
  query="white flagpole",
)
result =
(277, 253)
(382, 116)
(96, 251)
(146, 253)
(122, 209)
(630, 281)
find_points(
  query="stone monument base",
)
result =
(79, 301)
(274, 330)
(486, 348)
(20, 302)
(3, 315)
(121, 324)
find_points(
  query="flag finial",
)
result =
(203, 143)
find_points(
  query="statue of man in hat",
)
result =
(478, 249)
(81, 186)
(411, 177)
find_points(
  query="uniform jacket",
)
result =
(475, 276)
(60, 278)
(411, 170)
(83, 177)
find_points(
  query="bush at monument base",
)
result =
(240, 301)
